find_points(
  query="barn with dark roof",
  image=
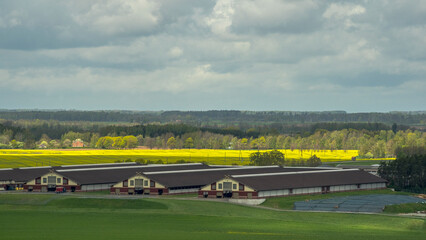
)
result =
(190, 180)
(93, 177)
(291, 183)
(207, 181)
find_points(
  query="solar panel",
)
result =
(363, 203)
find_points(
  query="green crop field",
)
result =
(31, 158)
(50, 216)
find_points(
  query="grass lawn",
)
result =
(186, 195)
(71, 217)
(405, 208)
(102, 192)
(288, 202)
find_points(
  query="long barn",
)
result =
(189, 181)
(207, 181)
(291, 183)
(79, 177)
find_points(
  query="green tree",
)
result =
(140, 140)
(130, 141)
(53, 144)
(244, 143)
(105, 142)
(118, 142)
(93, 140)
(171, 143)
(43, 144)
(407, 172)
(16, 144)
(189, 143)
(313, 161)
(66, 143)
(273, 157)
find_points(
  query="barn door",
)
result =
(227, 189)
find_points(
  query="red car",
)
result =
(60, 190)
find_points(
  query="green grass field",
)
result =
(50, 216)
(406, 208)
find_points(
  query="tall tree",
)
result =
(189, 143)
(171, 143)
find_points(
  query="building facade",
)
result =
(139, 184)
(288, 184)
(49, 182)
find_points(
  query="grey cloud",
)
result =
(294, 55)
(401, 13)
(276, 16)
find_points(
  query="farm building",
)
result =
(291, 183)
(77, 143)
(12, 179)
(90, 177)
(16, 178)
(97, 178)
(207, 181)
(368, 168)
(191, 180)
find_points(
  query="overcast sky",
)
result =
(302, 55)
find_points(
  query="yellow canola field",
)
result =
(29, 158)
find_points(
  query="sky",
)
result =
(301, 55)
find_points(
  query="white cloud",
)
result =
(120, 17)
(275, 16)
(175, 52)
(339, 11)
(220, 19)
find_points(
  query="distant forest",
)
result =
(211, 118)
(374, 134)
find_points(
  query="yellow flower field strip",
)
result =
(177, 152)
(26, 158)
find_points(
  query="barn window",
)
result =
(234, 186)
(38, 181)
(51, 179)
(219, 186)
(132, 183)
(152, 183)
(125, 183)
(44, 180)
(241, 187)
(145, 183)
(213, 186)
(58, 180)
(138, 182)
(65, 181)
(290, 191)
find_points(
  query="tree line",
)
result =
(199, 118)
(383, 143)
(408, 171)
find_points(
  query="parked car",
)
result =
(60, 190)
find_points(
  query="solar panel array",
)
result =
(363, 203)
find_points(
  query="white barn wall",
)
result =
(185, 190)
(313, 190)
(95, 187)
